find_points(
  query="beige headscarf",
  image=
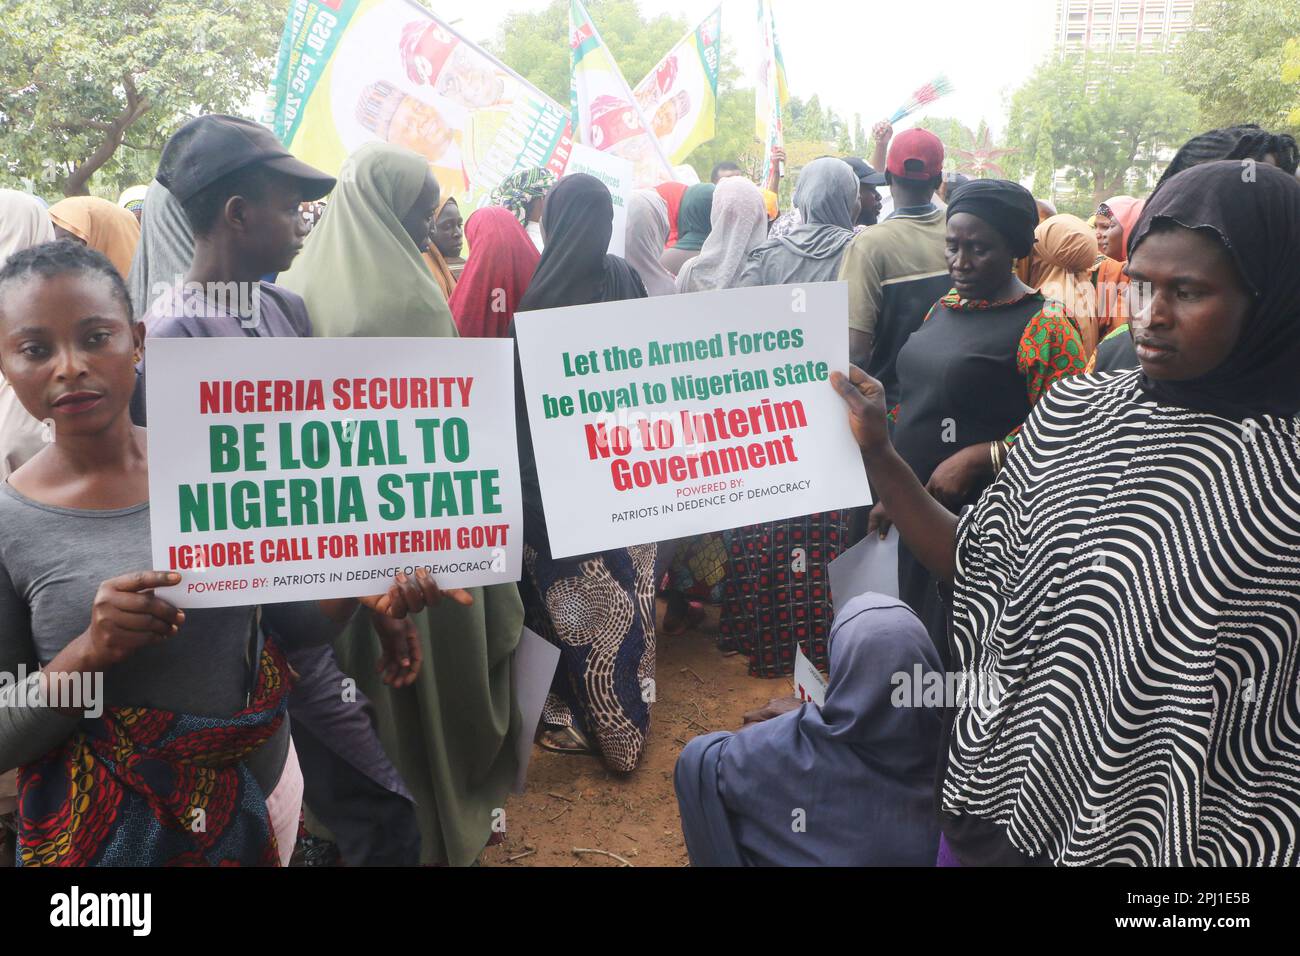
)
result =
(101, 225)
(1065, 250)
(23, 223)
(739, 220)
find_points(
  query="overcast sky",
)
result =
(860, 56)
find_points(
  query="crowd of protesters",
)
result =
(1084, 433)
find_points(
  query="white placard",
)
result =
(809, 684)
(531, 668)
(297, 469)
(661, 418)
(616, 173)
(870, 565)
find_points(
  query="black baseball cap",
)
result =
(209, 147)
(866, 175)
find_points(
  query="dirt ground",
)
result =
(573, 803)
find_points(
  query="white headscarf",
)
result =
(647, 233)
(739, 221)
(23, 223)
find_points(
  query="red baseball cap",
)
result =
(915, 154)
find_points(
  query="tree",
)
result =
(90, 89)
(1044, 158)
(536, 45)
(808, 121)
(1113, 116)
(953, 133)
(1291, 74)
(1235, 63)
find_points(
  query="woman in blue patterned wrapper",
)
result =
(1130, 582)
(599, 609)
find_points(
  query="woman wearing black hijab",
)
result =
(599, 608)
(1130, 584)
(986, 352)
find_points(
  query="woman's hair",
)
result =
(63, 257)
(1246, 141)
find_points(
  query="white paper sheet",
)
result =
(531, 670)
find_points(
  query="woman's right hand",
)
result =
(865, 398)
(125, 617)
(878, 520)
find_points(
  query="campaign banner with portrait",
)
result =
(679, 96)
(351, 72)
(605, 113)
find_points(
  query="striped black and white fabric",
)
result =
(1131, 584)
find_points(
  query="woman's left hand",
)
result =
(773, 708)
(958, 475)
(411, 594)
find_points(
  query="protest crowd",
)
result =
(1082, 434)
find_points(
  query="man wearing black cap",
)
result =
(896, 270)
(242, 193)
(868, 196)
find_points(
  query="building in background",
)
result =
(1130, 26)
(1118, 26)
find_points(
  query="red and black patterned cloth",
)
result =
(778, 594)
(144, 787)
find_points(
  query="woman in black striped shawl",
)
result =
(1126, 595)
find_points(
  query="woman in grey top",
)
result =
(169, 725)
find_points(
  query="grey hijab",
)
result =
(165, 251)
(810, 251)
(825, 193)
(647, 231)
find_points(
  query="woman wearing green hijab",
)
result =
(451, 734)
(694, 221)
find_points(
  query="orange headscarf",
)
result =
(102, 226)
(1060, 267)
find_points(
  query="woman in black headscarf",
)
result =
(1249, 145)
(599, 608)
(1130, 584)
(577, 221)
(986, 352)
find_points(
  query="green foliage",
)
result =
(94, 89)
(1111, 118)
(1236, 64)
(953, 133)
(536, 45)
(1044, 157)
(1291, 74)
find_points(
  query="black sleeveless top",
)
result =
(960, 381)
